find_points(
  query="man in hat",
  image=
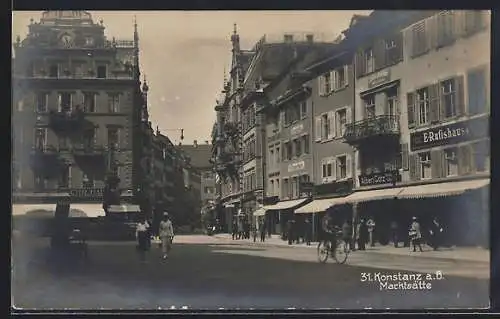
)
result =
(166, 232)
(415, 234)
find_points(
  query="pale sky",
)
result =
(184, 53)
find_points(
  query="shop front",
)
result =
(280, 213)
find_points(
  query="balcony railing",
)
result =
(88, 150)
(383, 125)
(89, 193)
(66, 119)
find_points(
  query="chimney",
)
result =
(195, 143)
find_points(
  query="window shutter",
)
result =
(414, 165)
(459, 95)
(348, 163)
(335, 80)
(360, 64)
(397, 54)
(379, 53)
(333, 161)
(317, 128)
(404, 156)
(349, 115)
(331, 126)
(59, 102)
(321, 86)
(410, 99)
(434, 105)
(464, 159)
(346, 75)
(436, 163)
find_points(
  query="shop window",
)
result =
(451, 161)
(425, 165)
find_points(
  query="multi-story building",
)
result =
(331, 101)
(75, 93)
(289, 126)
(422, 96)
(253, 73)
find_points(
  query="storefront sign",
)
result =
(450, 134)
(297, 166)
(379, 78)
(379, 178)
(297, 129)
(343, 187)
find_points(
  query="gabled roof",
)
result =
(199, 154)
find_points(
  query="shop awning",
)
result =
(285, 204)
(86, 210)
(377, 194)
(260, 212)
(35, 210)
(442, 189)
(124, 209)
(319, 205)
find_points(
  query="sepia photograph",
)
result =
(250, 160)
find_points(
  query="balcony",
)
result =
(379, 126)
(88, 150)
(66, 120)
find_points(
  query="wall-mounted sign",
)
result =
(297, 166)
(450, 134)
(297, 129)
(379, 78)
(337, 188)
(379, 178)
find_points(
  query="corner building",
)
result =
(73, 105)
(421, 126)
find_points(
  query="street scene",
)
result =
(219, 160)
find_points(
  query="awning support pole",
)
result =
(354, 223)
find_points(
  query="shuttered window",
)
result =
(410, 101)
(477, 91)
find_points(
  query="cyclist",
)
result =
(330, 232)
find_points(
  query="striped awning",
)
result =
(377, 194)
(319, 205)
(286, 204)
(260, 212)
(442, 189)
(124, 209)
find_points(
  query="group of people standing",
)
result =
(241, 229)
(144, 235)
(297, 232)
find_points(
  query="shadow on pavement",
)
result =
(195, 275)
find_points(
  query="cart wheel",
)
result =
(323, 251)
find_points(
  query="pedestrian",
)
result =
(263, 231)
(363, 234)
(394, 233)
(436, 231)
(308, 231)
(371, 228)
(347, 233)
(289, 233)
(234, 229)
(296, 231)
(141, 235)
(166, 231)
(255, 231)
(415, 235)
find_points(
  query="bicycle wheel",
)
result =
(323, 251)
(341, 253)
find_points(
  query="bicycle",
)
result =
(340, 253)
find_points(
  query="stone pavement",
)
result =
(472, 254)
